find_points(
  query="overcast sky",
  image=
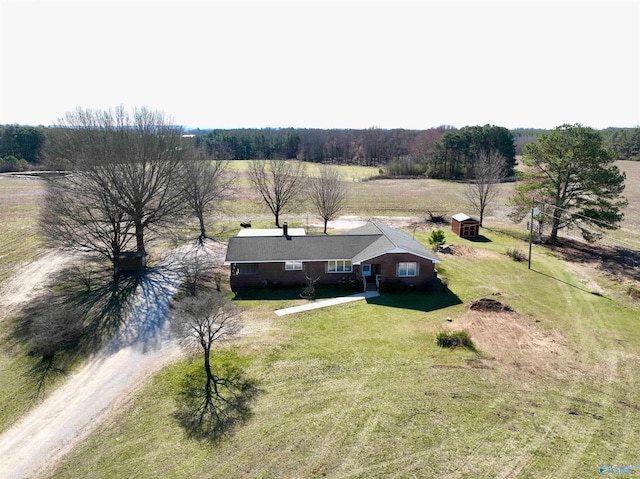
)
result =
(327, 64)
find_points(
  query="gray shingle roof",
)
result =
(359, 244)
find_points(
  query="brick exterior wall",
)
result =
(389, 275)
(272, 273)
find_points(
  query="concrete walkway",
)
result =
(327, 302)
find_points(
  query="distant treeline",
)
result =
(623, 143)
(20, 146)
(443, 152)
(370, 147)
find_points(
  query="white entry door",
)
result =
(366, 270)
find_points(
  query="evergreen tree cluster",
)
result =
(456, 153)
(624, 143)
(20, 146)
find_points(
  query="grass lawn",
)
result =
(362, 390)
(19, 210)
(20, 243)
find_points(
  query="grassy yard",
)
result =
(363, 390)
(19, 210)
(20, 243)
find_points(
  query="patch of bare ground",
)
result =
(503, 336)
(463, 250)
(30, 280)
(583, 272)
(350, 222)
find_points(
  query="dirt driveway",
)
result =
(29, 281)
(108, 379)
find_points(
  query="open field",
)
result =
(363, 391)
(19, 210)
(413, 197)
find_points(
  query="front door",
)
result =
(366, 270)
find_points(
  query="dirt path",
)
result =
(29, 281)
(139, 349)
(77, 408)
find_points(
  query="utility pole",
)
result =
(533, 212)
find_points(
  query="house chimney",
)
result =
(285, 229)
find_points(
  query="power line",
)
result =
(621, 242)
(610, 225)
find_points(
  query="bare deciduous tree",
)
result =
(328, 193)
(205, 320)
(488, 172)
(204, 181)
(278, 182)
(79, 215)
(197, 269)
(54, 328)
(131, 159)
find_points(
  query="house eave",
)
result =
(400, 251)
(227, 263)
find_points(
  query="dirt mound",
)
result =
(490, 306)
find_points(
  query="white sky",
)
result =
(330, 64)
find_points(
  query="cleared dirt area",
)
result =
(30, 280)
(502, 335)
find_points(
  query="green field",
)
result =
(362, 390)
(19, 210)
(413, 197)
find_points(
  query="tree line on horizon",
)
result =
(444, 152)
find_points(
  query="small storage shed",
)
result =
(465, 226)
(132, 262)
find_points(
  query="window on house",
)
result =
(243, 269)
(293, 265)
(407, 269)
(339, 266)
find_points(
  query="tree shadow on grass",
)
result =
(87, 311)
(418, 301)
(211, 408)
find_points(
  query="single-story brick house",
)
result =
(370, 255)
(465, 226)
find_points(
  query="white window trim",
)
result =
(342, 262)
(293, 265)
(415, 269)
